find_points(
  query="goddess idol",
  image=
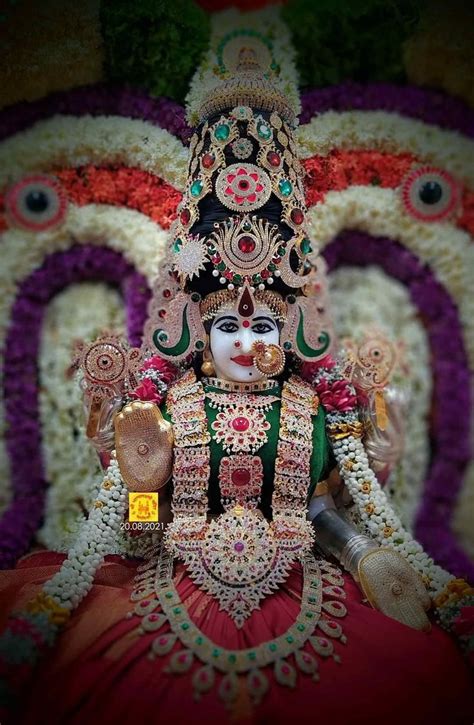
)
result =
(279, 582)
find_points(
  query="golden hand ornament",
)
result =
(393, 587)
(144, 446)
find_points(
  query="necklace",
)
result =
(240, 425)
(295, 651)
(240, 557)
(232, 386)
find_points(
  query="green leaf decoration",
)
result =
(154, 45)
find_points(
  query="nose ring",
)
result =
(237, 343)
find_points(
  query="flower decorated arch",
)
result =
(119, 159)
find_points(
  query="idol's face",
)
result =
(231, 340)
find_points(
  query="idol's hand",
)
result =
(144, 446)
(393, 587)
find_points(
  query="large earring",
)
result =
(268, 359)
(207, 367)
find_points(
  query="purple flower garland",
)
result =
(23, 517)
(426, 105)
(99, 100)
(452, 409)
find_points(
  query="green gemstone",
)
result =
(177, 244)
(285, 187)
(305, 246)
(200, 344)
(177, 610)
(196, 187)
(246, 226)
(272, 647)
(281, 251)
(312, 600)
(221, 266)
(163, 337)
(185, 626)
(222, 132)
(287, 345)
(291, 299)
(237, 278)
(252, 655)
(199, 640)
(272, 267)
(309, 615)
(289, 639)
(232, 658)
(257, 278)
(216, 652)
(169, 595)
(264, 131)
(301, 627)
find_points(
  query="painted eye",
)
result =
(430, 194)
(228, 327)
(36, 203)
(261, 328)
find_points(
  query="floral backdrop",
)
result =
(110, 159)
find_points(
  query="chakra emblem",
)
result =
(106, 365)
(240, 429)
(243, 187)
(241, 480)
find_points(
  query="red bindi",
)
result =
(245, 323)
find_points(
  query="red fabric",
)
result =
(100, 672)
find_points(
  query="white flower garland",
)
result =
(376, 513)
(69, 141)
(447, 249)
(388, 132)
(72, 466)
(384, 302)
(98, 536)
(266, 21)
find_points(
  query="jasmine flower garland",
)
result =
(31, 632)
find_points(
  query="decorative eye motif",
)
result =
(430, 194)
(36, 203)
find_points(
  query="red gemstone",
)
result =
(228, 274)
(153, 617)
(243, 185)
(273, 158)
(241, 477)
(265, 274)
(185, 216)
(297, 216)
(167, 293)
(162, 313)
(240, 423)
(215, 259)
(246, 244)
(208, 160)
